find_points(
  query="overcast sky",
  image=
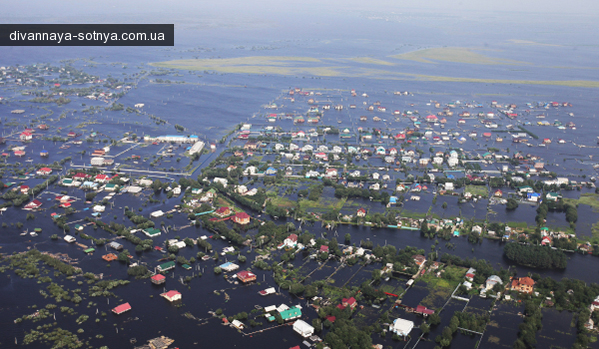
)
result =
(68, 8)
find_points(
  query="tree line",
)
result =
(535, 256)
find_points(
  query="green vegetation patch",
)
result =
(478, 190)
(589, 199)
(442, 287)
(281, 201)
(322, 205)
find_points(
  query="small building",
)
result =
(228, 267)
(401, 327)
(33, 205)
(115, 245)
(97, 161)
(102, 178)
(69, 238)
(157, 214)
(171, 296)
(158, 279)
(361, 212)
(324, 248)
(89, 250)
(109, 257)
(25, 136)
(291, 240)
(348, 302)
(419, 259)
(424, 311)
(266, 292)
(246, 276)
(492, 281)
(121, 308)
(223, 211)
(238, 324)
(151, 232)
(303, 328)
(44, 171)
(166, 266)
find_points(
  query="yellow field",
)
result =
(301, 66)
(370, 60)
(278, 65)
(453, 54)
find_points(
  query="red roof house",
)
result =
(324, 248)
(349, 302)
(26, 136)
(158, 279)
(422, 310)
(80, 175)
(546, 241)
(241, 218)
(523, 284)
(172, 295)
(222, 211)
(102, 178)
(44, 171)
(32, 205)
(246, 276)
(121, 308)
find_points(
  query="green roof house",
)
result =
(166, 266)
(151, 232)
(553, 196)
(291, 314)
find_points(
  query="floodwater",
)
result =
(211, 104)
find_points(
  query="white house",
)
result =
(303, 328)
(401, 327)
(307, 147)
(97, 161)
(250, 170)
(492, 281)
(222, 181)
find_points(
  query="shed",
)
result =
(115, 245)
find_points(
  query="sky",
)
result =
(68, 10)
